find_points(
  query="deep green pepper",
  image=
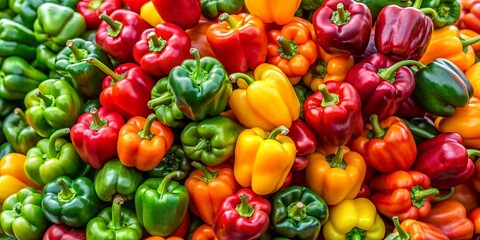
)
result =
(211, 141)
(45, 58)
(302, 92)
(29, 9)
(174, 160)
(6, 11)
(164, 105)
(375, 6)
(114, 179)
(6, 107)
(211, 9)
(53, 105)
(161, 204)
(421, 129)
(16, 40)
(19, 133)
(115, 223)
(70, 201)
(298, 212)
(5, 149)
(22, 215)
(447, 11)
(92, 103)
(18, 77)
(201, 87)
(52, 158)
(16, 5)
(56, 24)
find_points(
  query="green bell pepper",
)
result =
(376, 6)
(22, 215)
(161, 204)
(5, 149)
(6, 107)
(174, 160)
(114, 179)
(447, 11)
(56, 24)
(45, 58)
(298, 212)
(211, 141)
(70, 201)
(421, 129)
(16, 5)
(29, 9)
(164, 105)
(18, 77)
(201, 87)
(92, 103)
(87, 78)
(52, 158)
(302, 92)
(53, 105)
(16, 40)
(211, 9)
(5, 10)
(115, 223)
(19, 133)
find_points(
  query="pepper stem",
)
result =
(77, 53)
(97, 122)
(319, 69)
(156, 44)
(165, 98)
(48, 101)
(202, 144)
(297, 211)
(233, 78)
(389, 73)
(429, 12)
(244, 208)
(232, 23)
(417, 4)
(328, 98)
(450, 193)
(402, 235)
(114, 27)
(470, 41)
(288, 48)
(116, 222)
(336, 160)
(52, 152)
(163, 188)
(378, 131)
(415, 130)
(198, 74)
(278, 130)
(473, 152)
(66, 194)
(209, 175)
(95, 4)
(97, 63)
(341, 16)
(20, 114)
(146, 133)
(419, 195)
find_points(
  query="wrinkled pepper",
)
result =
(273, 11)
(184, 13)
(12, 176)
(174, 160)
(415, 230)
(92, 9)
(18, 132)
(213, 8)
(163, 103)
(16, 40)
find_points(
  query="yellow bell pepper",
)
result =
(273, 11)
(336, 176)
(267, 102)
(150, 14)
(465, 121)
(12, 175)
(263, 160)
(352, 218)
(473, 76)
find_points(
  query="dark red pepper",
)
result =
(409, 109)
(92, 9)
(300, 163)
(62, 232)
(184, 13)
(135, 5)
(303, 137)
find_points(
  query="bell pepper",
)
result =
(273, 11)
(61, 232)
(468, 34)
(164, 105)
(95, 136)
(150, 14)
(445, 160)
(130, 84)
(208, 187)
(270, 87)
(5, 11)
(135, 5)
(298, 212)
(45, 58)
(243, 215)
(16, 40)
(143, 142)
(115, 179)
(447, 11)
(473, 76)
(199, 38)
(92, 9)
(335, 176)
(87, 78)
(28, 9)
(161, 204)
(211, 9)
(474, 217)
(53, 157)
(238, 41)
(415, 230)
(70, 201)
(211, 141)
(52, 106)
(471, 17)
(354, 219)
(466, 194)
(204, 232)
(342, 26)
(118, 33)
(375, 6)
(450, 217)
(18, 132)
(115, 223)
(422, 128)
(303, 137)
(184, 13)
(18, 78)
(12, 176)
(174, 160)
(387, 145)
(201, 87)
(22, 215)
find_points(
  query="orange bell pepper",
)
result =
(12, 175)
(199, 39)
(473, 76)
(150, 14)
(208, 187)
(465, 194)
(267, 102)
(474, 216)
(335, 176)
(273, 11)
(204, 232)
(263, 160)
(142, 143)
(415, 230)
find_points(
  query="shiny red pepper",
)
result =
(92, 9)
(62, 232)
(184, 13)
(410, 109)
(303, 137)
(135, 5)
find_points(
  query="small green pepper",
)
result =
(19, 133)
(164, 105)
(16, 40)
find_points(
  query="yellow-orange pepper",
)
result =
(150, 14)
(473, 76)
(468, 34)
(273, 11)
(263, 160)
(12, 175)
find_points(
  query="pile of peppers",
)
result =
(239, 119)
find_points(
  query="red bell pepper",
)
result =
(471, 15)
(410, 109)
(135, 5)
(342, 26)
(243, 215)
(92, 9)
(95, 136)
(238, 41)
(185, 13)
(162, 48)
(119, 32)
(125, 90)
(303, 137)
(62, 232)
(334, 112)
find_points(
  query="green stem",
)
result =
(66, 194)
(470, 41)
(473, 152)
(97, 63)
(146, 133)
(244, 208)
(97, 122)
(164, 99)
(209, 175)
(450, 193)
(288, 48)
(52, 152)
(155, 44)
(202, 144)
(116, 222)
(199, 74)
(378, 131)
(278, 130)
(419, 195)
(163, 188)
(417, 4)
(417, 131)
(95, 4)
(77, 53)
(389, 73)
(341, 16)
(114, 27)
(297, 211)
(21, 115)
(402, 235)
(234, 76)
(337, 161)
(429, 12)
(44, 98)
(328, 98)
(17, 209)
(232, 23)
(319, 69)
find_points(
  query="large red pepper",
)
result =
(119, 32)
(238, 41)
(343, 26)
(92, 9)
(334, 112)
(305, 143)
(184, 13)
(62, 232)
(162, 48)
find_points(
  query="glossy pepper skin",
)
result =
(12, 176)
(298, 212)
(18, 132)
(342, 26)
(303, 137)
(61, 232)
(92, 9)
(211, 9)
(238, 41)
(189, 10)
(471, 16)
(66, 201)
(162, 48)
(163, 103)
(243, 215)
(273, 11)
(473, 76)
(135, 5)
(415, 230)
(174, 160)
(150, 14)
(16, 40)
(201, 87)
